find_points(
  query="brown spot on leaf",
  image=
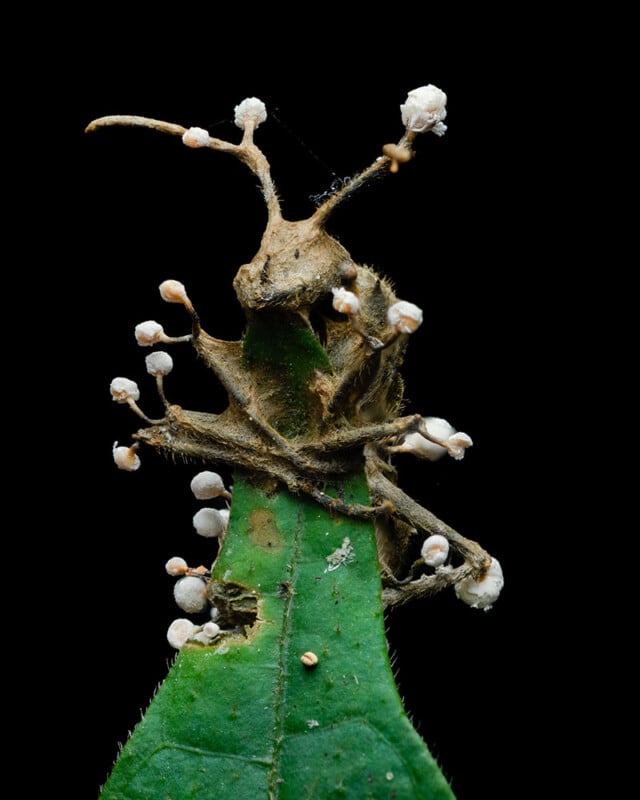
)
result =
(263, 531)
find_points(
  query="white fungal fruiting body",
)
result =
(173, 292)
(435, 550)
(179, 633)
(250, 110)
(123, 390)
(207, 485)
(417, 445)
(404, 316)
(195, 137)
(190, 593)
(176, 566)
(126, 458)
(211, 629)
(148, 333)
(455, 442)
(424, 109)
(207, 633)
(344, 301)
(210, 522)
(159, 363)
(458, 443)
(483, 593)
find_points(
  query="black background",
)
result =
(457, 234)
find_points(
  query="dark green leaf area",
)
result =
(245, 719)
(283, 355)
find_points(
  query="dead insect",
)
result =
(353, 392)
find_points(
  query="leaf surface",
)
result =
(246, 719)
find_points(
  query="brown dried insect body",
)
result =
(353, 403)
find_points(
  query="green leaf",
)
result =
(282, 354)
(246, 719)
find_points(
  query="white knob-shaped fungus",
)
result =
(190, 593)
(210, 522)
(482, 593)
(195, 137)
(404, 316)
(179, 633)
(211, 629)
(417, 445)
(457, 444)
(424, 109)
(151, 332)
(344, 301)
(435, 550)
(449, 441)
(148, 333)
(206, 485)
(126, 458)
(174, 292)
(176, 566)
(250, 110)
(123, 390)
(159, 363)
(207, 633)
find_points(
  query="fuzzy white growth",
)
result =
(457, 444)
(207, 633)
(435, 550)
(341, 555)
(405, 317)
(210, 522)
(483, 593)
(174, 292)
(207, 485)
(179, 633)
(424, 109)
(344, 301)
(159, 363)
(211, 629)
(149, 333)
(454, 442)
(250, 110)
(417, 445)
(190, 593)
(126, 458)
(195, 137)
(123, 390)
(176, 566)
(439, 428)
